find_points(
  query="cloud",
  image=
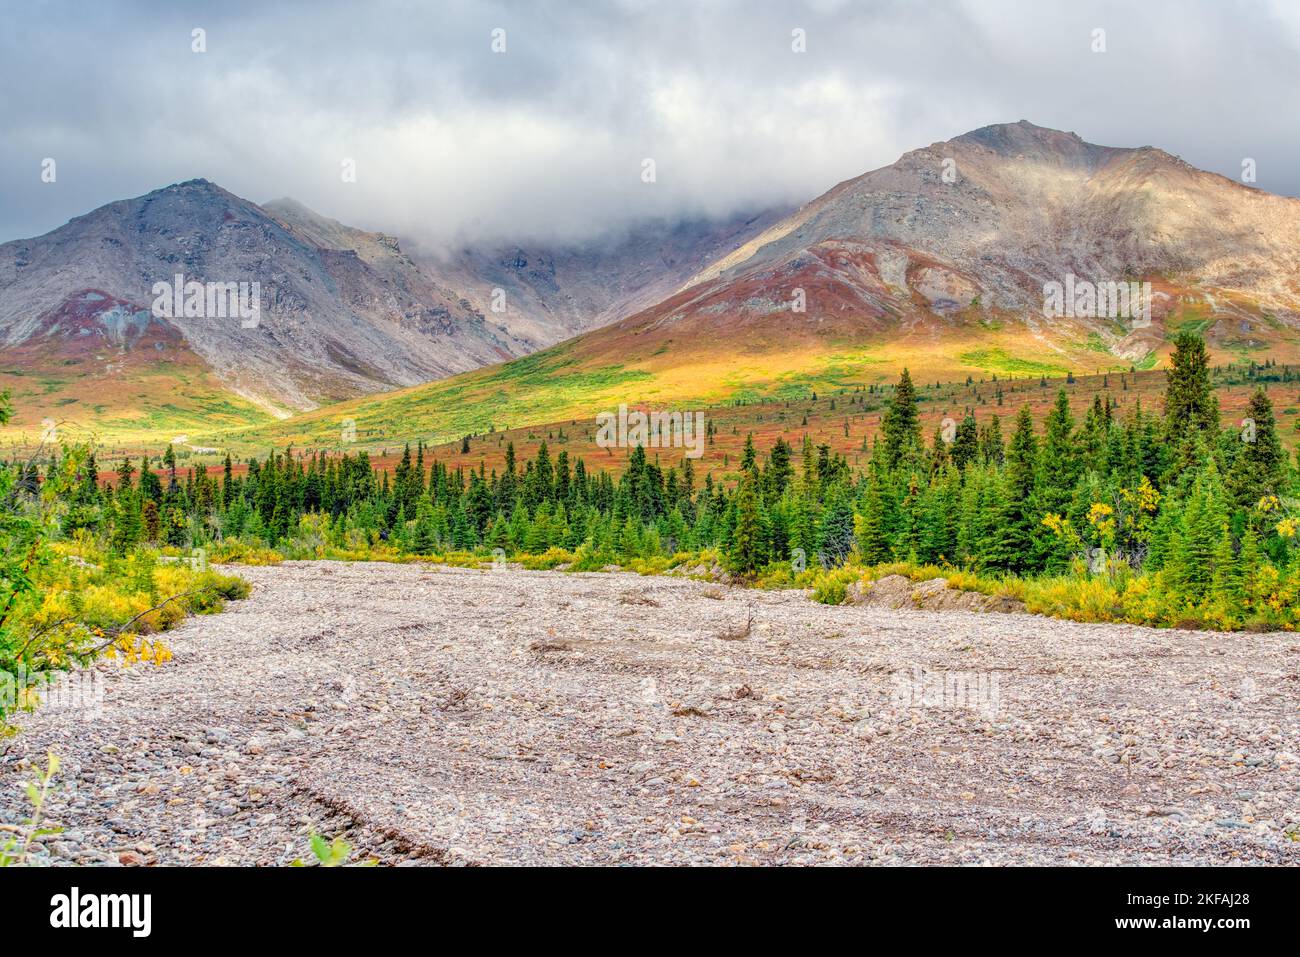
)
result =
(455, 142)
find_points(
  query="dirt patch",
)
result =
(898, 591)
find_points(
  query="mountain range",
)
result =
(948, 275)
(938, 262)
(343, 311)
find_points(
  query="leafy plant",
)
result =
(336, 853)
(16, 849)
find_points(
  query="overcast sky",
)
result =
(453, 141)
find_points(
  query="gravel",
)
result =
(436, 715)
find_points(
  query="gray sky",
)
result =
(452, 141)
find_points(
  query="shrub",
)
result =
(589, 559)
(236, 552)
(776, 576)
(547, 560)
(831, 586)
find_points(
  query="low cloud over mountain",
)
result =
(456, 144)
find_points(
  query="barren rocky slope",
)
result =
(343, 312)
(1018, 204)
(508, 717)
(949, 248)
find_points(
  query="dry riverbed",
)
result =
(453, 716)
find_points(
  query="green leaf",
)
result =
(320, 848)
(341, 850)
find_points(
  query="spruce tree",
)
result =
(965, 446)
(1192, 548)
(425, 539)
(1060, 462)
(1191, 407)
(746, 547)
(1190, 403)
(129, 526)
(1018, 514)
(1260, 467)
(749, 457)
(991, 447)
(900, 429)
(803, 526)
(1227, 584)
(836, 541)
(869, 526)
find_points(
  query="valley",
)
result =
(469, 434)
(841, 413)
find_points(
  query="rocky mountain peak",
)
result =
(1026, 141)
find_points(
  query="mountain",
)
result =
(949, 276)
(937, 262)
(554, 291)
(342, 312)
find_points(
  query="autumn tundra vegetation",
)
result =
(1160, 516)
(75, 586)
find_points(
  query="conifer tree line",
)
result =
(1159, 491)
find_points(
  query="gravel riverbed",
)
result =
(437, 715)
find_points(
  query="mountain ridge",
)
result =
(938, 261)
(344, 311)
(331, 325)
(902, 267)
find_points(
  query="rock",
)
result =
(700, 704)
